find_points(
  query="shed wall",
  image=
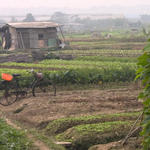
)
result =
(36, 38)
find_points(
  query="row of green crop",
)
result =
(82, 75)
(100, 52)
(128, 46)
(104, 43)
(73, 64)
(106, 59)
(85, 131)
(60, 125)
(78, 71)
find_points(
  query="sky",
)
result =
(129, 8)
(69, 3)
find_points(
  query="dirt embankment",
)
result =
(16, 58)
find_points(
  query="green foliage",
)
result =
(102, 52)
(143, 73)
(60, 125)
(106, 59)
(76, 71)
(29, 18)
(84, 136)
(12, 139)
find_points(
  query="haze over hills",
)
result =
(128, 11)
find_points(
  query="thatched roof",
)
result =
(33, 25)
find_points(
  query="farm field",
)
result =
(118, 40)
(97, 97)
(78, 71)
(96, 107)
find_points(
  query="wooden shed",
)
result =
(30, 35)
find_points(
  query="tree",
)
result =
(59, 17)
(29, 18)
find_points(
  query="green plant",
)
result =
(60, 125)
(84, 136)
(143, 73)
(12, 139)
(76, 71)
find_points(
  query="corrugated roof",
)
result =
(33, 24)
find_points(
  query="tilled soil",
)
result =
(34, 110)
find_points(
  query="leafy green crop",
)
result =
(102, 52)
(106, 59)
(60, 125)
(76, 71)
(84, 136)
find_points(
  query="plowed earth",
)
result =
(44, 108)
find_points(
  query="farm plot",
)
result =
(85, 117)
(105, 42)
(77, 71)
(82, 117)
(117, 40)
(101, 52)
(108, 43)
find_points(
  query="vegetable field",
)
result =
(83, 70)
(96, 100)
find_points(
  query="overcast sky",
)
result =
(69, 3)
(129, 8)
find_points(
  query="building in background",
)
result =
(30, 35)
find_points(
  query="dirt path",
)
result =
(37, 143)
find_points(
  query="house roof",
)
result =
(33, 24)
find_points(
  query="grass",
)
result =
(60, 125)
(12, 139)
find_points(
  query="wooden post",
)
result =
(22, 40)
